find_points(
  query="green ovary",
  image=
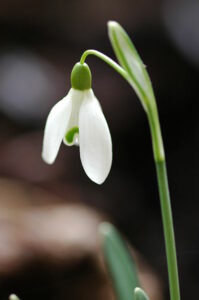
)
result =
(70, 134)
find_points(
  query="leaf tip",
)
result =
(105, 229)
(113, 27)
(13, 297)
(112, 24)
(140, 294)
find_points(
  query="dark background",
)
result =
(40, 42)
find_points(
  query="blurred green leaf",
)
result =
(119, 262)
(140, 294)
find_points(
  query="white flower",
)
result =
(78, 119)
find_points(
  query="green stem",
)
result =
(168, 229)
(107, 60)
(165, 202)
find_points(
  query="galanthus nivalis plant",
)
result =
(78, 120)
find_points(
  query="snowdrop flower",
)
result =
(78, 120)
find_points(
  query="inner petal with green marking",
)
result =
(71, 133)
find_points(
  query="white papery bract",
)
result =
(78, 119)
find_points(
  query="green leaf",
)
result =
(130, 60)
(119, 262)
(140, 294)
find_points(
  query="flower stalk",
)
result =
(107, 60)
(165, 204)
(140, 81)
(168, 229)
(134, 72)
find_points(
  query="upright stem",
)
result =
(165, 202)
(168, 229)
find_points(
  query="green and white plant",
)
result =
(78, 119)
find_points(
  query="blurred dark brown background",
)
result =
(40, 42)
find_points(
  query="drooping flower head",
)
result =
(78, 119)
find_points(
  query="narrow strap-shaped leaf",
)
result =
(130, 60)
(119, 262)
(140, 294)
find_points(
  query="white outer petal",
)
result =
(55, 128)
(94, 139)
